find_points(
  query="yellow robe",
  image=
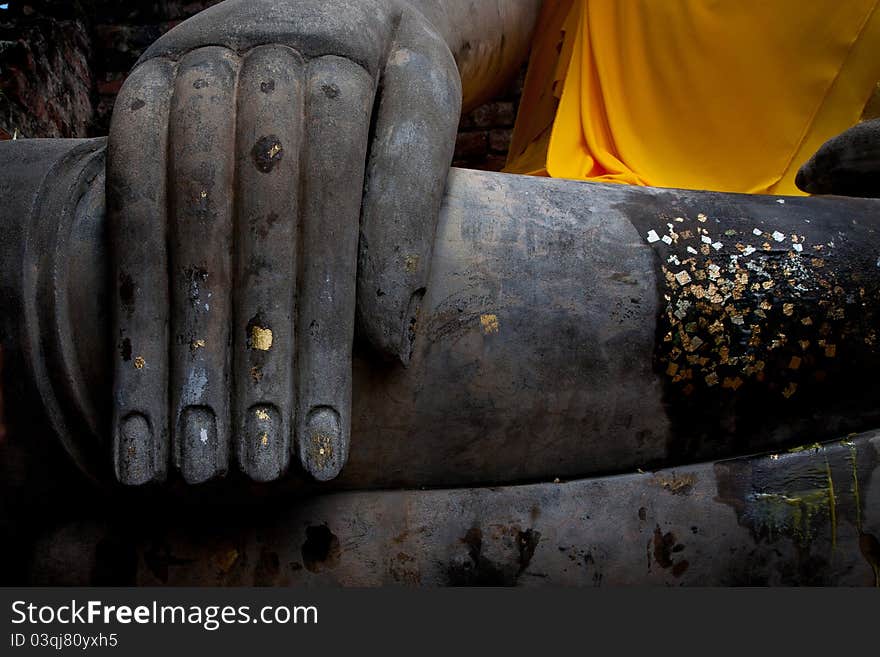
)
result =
(725, 95)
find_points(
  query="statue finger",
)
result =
(138, 226)
(269, 144)
(339, 99)
(201, 179)
(410, 154)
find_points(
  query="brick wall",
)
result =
(62, 62)
(45, 71)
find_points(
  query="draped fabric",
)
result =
(724, 95)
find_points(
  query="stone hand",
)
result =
(273, 167)
(846, 165)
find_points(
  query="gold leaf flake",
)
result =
(732, 383)
(489, 324)
(411, 263)
(261, 338)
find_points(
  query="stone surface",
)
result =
(760, 521)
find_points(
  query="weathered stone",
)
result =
(499, 141)
(470, 145)
(496, 114)
(45, 77)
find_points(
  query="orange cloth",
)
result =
(725, 95)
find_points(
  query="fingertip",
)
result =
(323, 446)
(264, 448)
(135, 451)
(200, 445)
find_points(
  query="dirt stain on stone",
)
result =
(267, 152)
(267, 568)
(676, 484)
(321, 550)
(480, 570)
(126, 293)
(125, 350)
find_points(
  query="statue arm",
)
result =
(489, 40)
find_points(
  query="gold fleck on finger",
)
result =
(489, 324)
(261, 338)
(321, 448)
(261, 414)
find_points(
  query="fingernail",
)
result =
(323, 453)
(199, 451)
(135, 452)
(265, 451)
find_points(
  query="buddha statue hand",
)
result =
(846, 165)
(275, 171)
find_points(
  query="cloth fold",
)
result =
(697, 94)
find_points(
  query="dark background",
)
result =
(62, 62)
